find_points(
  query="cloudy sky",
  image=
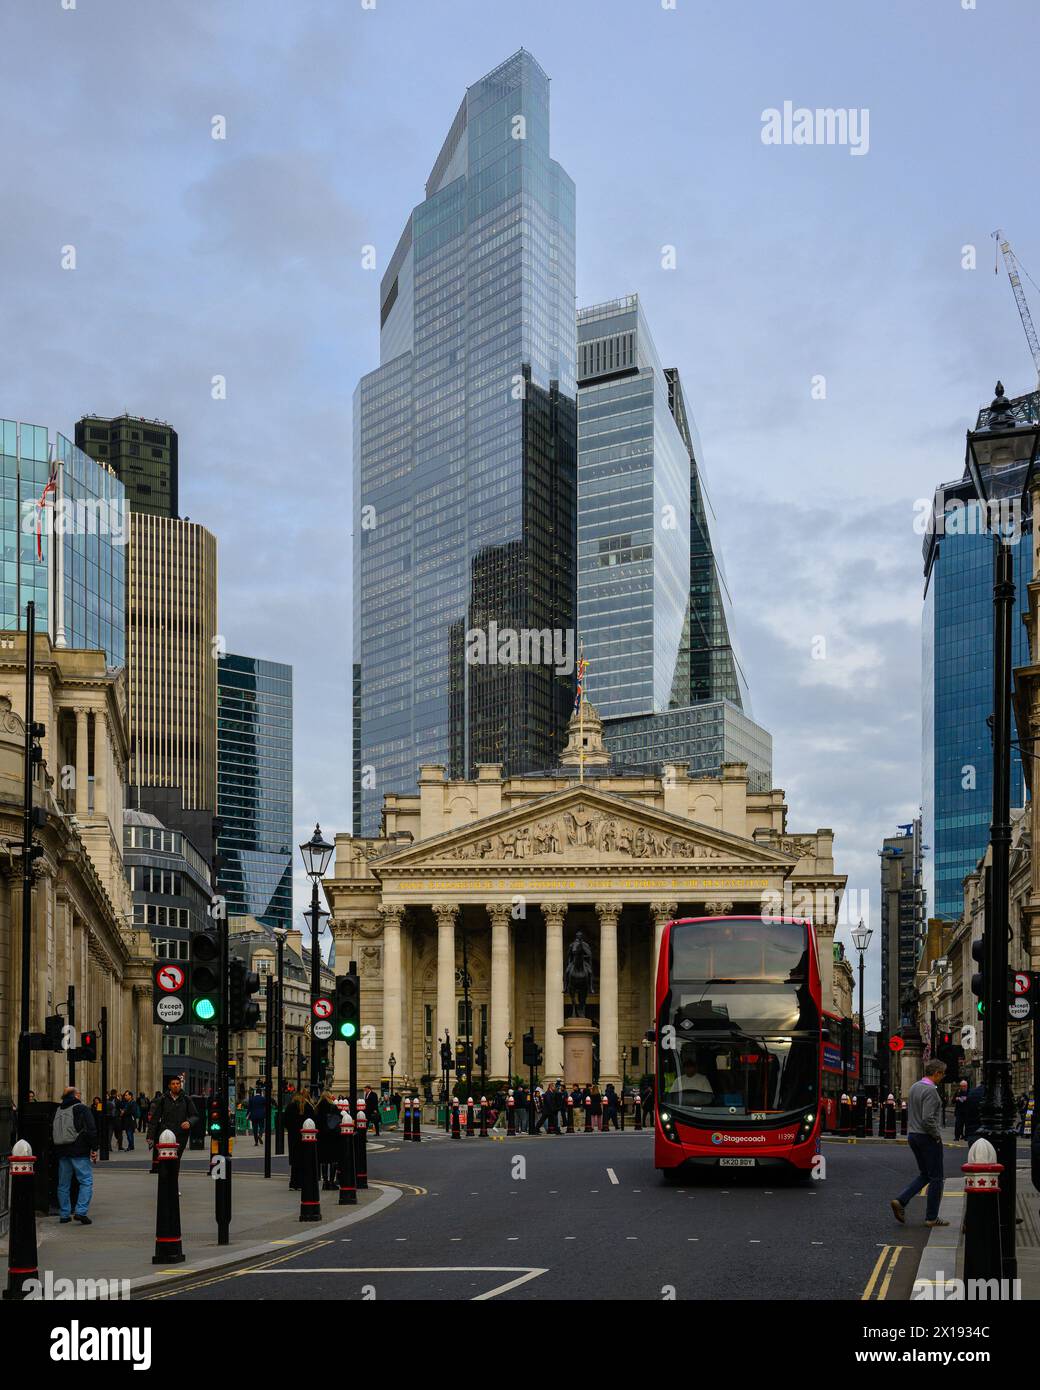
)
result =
(241, 257)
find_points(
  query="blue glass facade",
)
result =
(957, 692)
(464, 456)
(254, 788)
(633, 518)
(82, 543)
(704, 736)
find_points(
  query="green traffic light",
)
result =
(347, 1030)
(204, 1009)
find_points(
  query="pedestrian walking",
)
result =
(142, 1112)
(925, 1139)
(257, 1112)
(128, 1119)
(75, 1143)
(115, 1129)
(175, 1111)
(327, 1121)
(97, 1107)
(610, 1106)
(646, 1098)
(971, 1112)
(297, 1109)
(958, 1110)
(521, 1101)
(596, 1107)
(372, 1116)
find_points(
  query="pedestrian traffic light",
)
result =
(978, 980)
(347, 1007)
(204, 985)
(243, 1011)
(215, 1123)
(87, 1050)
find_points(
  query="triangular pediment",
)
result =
(582, 824)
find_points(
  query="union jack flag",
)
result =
(582, 668)
(52, 487)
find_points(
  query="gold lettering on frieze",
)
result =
(555, 885)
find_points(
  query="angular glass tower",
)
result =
(464, 457)
(957, 680)
(75, 571)
(254, 788)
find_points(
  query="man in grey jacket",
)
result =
(924, 1112)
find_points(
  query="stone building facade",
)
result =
(502, 871)
(82, 923)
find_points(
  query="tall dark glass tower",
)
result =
(141, 453)
(465, 457)
(254, 788)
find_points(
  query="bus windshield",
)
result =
(739, 1030)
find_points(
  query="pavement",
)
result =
(120, 1242)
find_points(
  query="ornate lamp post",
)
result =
(861, 940)
(391, 1062)
(1000, 459)
(280, 933)
(316, 853)
(509, 1054)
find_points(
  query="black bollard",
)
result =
(310, 1200)
(570, 1114)
(510, 1114)
(868, 1120)
(361, 1147)
(903, 1116)
(844, 1115)
(168, 1250)
(588, 1114)
(346, 1177)
(416, 1121)
(471, 1127)
(861, 1115)
(890, 1117)
(408, 1119)
(982, 1256)
(637, 1111)
(483, 1117)
(21, 1250)
(456, 1120)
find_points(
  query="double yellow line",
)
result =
(886, 1261)
(234, 1273)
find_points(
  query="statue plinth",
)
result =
(578, 1036)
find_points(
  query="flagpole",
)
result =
(581, 714)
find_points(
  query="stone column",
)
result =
(392, 987)
(662, 915)
(446, 914)
(609, 1069)
(147, 1033)
(501, 1022)
(82, 766)
(554, 913)
(100, 765)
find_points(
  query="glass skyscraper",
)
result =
(464, 458)
(957, 681)
(141, 453)
(75, 567)
(254, 788)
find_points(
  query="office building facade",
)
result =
(141, 453)
(171, 888)
(705, 737)
(957, 678)
(464, 459)
(902, 926)
(172, 674)
(68, 554)
(254, 788)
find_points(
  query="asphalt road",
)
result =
(587, 1217)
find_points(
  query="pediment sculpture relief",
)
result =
(580, 829)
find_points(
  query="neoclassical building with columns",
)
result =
(501, 872)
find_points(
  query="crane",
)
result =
(1011, 261)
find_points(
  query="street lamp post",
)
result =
(861, 940)
(509, 1055)
(391, 1062)
(316, 853)
(1001, 458)
(429, 1075)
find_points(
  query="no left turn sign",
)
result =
(322, 1008)
(169, 977)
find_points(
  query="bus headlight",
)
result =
(806, 1128)
(668, 1126)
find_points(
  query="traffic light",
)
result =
(54, 1032)
(978, 980)
(215, 1122)
(204, 983)
(482, 1057)
(87, 1050)
(243, 1011)
(530, 1050)
(445, 1056)
(347, 1007)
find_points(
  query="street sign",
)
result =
(170, 1009)
(1019, 1010)
(896, 1043)
(323, 1029)
(322, 1008)
(170, 976)
(1023, 983)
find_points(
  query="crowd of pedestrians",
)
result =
(543, 1109)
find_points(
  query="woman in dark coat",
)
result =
(297, 1110)
(327, 1119)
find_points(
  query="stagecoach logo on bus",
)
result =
(719, 1138)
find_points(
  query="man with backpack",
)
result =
(75, 1139)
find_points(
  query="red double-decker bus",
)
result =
(739, 1040)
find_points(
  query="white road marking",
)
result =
(612, 1176)
(512, 1237)
(525, 1273)
(570, 1237)
(754, 1242)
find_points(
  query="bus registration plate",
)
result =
(736, 1163)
